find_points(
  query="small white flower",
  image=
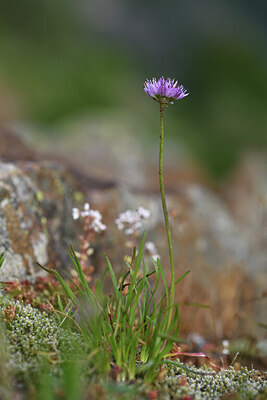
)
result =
(151, 251)
(95, 214)
(86, 211)
(143, 212)
(225, 349)
(93, 218)
(129, 231)
(120, 226)
(132, 220)
(150, 246)
(98, 226)
(75, 213)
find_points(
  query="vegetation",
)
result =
(116, 347)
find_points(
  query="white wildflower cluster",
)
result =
(151, 251)
(92, 217)
(204, 384)
(131, 221)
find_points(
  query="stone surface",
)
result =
(35, 216)
(114, 146)
(13, 147)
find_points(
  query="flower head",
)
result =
(92, 218)
(164, 91)
(151, 251)
(75, 213)
(132, 220)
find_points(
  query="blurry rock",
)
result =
(196, 341)
(13, 148)
(247, 197)
(35, 217)
(36, 198)
(113, 146)
(262, 348)
(209, 242)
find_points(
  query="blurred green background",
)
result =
(60, 58)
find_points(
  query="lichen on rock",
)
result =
(35, 217)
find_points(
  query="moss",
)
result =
(242, 385)
(34, 336)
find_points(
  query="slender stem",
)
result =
(166, 216)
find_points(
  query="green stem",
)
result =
(166, 216)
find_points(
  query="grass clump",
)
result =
(128, 332)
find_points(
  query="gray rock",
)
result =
(35, 217)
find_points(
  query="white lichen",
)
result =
(33, 335)
(246, 384)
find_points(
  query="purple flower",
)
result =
(164, 91)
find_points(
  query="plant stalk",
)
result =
(166, 216)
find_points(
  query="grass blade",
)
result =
(113, 278)
(2, 259)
